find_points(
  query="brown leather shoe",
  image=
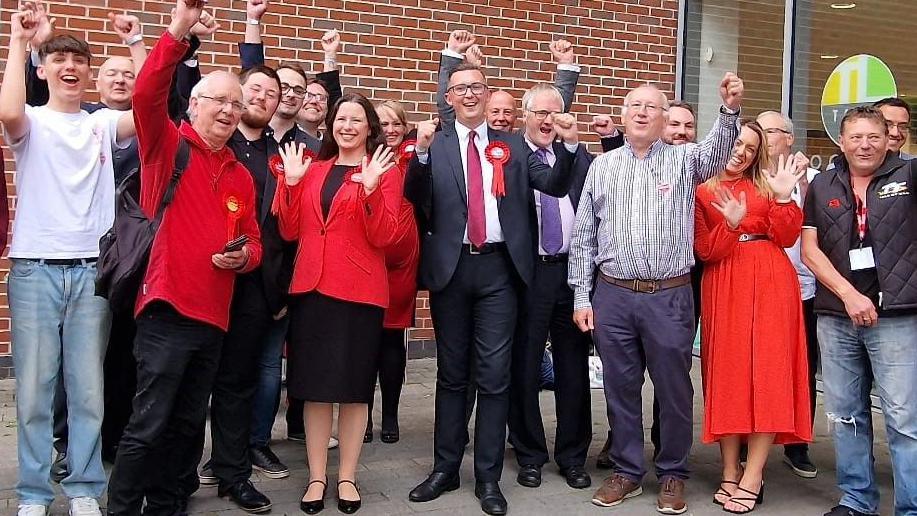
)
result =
(671, 496)
(615, 489)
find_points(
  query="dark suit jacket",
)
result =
(437, 188)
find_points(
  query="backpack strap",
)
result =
(182, 157)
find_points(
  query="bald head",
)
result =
(501, 111)
(116, 82)
(216, 107)
(643, 115)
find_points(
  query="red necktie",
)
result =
(477, 222)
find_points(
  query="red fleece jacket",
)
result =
(196, 224)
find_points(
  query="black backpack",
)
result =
(124, 250)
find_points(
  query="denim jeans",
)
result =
(267, 396)
(852, 359)
(59, 326)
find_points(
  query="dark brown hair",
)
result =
(464, 67)
(244, 75)
(683, 105)
(864, 113)
(64, 44)
(374, 138)
(893, 102)
(296, 68)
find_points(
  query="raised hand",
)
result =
(565, 125)
(255, 9)
(425, 132)
(732, 208)
(184, 16)
(562, 50)
(732, 89)
(474, 55)
(373, 168)
(23, 26)
(460, 40)
(294, 166)
(45, 28)
(602, 126)
(126, 26)
(331, 42)
(783, 179)
(206, 25)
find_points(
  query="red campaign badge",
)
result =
(834, 203)
(275, 165)
(234, 208)
(497, 153)
(405, 152)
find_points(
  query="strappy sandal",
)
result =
(758, 498)
(723, 492)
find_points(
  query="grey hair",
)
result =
(664, 98)
(202, 84)
(787, 122)
(529, 97)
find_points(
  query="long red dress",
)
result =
(401, 260)
(753, 347)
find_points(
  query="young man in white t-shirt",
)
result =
(66, 202)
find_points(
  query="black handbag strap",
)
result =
(178, 168)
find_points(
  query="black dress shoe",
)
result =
(348, 506)
(529, 475)
(313, 506)
(247, 497)
(368, 436)
(389, 436)
(576, 476)
(492, 500)
(604, 459)
(434, 486)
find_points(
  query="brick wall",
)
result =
(391, 50)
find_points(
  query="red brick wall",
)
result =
(391, 50)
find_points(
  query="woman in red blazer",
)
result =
(342, 210)
(402, 258)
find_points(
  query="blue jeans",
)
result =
(852, 359)
(58, 325)
(267, 395)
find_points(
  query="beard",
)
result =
(258, 121)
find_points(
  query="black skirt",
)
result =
(333, 349)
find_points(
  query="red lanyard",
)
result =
(861, 218)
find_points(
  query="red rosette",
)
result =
(275, 165)
(308, 154)
(497, 153)
(234, 208)
(405, 152)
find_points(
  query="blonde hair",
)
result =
(395, 107)
(755, 171)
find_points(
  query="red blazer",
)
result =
(342, 257)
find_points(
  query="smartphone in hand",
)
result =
(235, 244)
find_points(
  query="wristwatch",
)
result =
(252, 21)
(726, 111)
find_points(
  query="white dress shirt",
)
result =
(491, 214)
(567, 213)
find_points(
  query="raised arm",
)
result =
(23, 26)
(451, 58)
(555, 180)
(609, 135)
(331, 75)
(709, 157)
(128, 28)
(567, 71)
(37, 93)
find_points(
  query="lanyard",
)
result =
(861, 218)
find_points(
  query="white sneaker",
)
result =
(84, 506)
(32, 510)
(333, 443)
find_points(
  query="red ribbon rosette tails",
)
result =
(405, 152)
(497, 153)
(234, 208)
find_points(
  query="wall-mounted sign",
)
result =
(859, 80)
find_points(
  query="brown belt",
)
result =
(647, 286)
(751, 237)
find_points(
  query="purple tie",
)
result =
(552, 233)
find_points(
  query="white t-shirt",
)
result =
(806, 278)
(65, 183)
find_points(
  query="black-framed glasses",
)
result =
(321, 97)
(237, 106)
(297, 91)
(776, 130)
(477, 88)
(541, 114)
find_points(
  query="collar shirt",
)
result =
(567, 210)
(491, 213)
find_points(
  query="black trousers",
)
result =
(474, 319)
(177, 359)
(809, 318)
(235, 385)
(392, 361)
(549, 311)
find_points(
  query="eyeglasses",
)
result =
(477, 88)
(237, 106)
(903, 127)
(649, 107)
(776, 130)
(320, 97)
(541, 114)
(296, 91)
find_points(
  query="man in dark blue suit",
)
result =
(477, 261)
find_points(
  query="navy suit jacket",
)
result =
(437, 190)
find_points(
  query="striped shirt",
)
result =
(636, 216)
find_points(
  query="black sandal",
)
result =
(758, 498)
(313, 506)
(348, 506)
(723, 492)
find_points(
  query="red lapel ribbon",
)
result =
(497, 153)
(405, 152)
(234, 208)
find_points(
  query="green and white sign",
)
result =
(859, 80)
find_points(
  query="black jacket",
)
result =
(891, 198)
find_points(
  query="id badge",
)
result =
(861, 259)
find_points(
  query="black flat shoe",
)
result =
(368, 436)
(434, 486)
(389, 436)
(576, 477)
(529, 475)
(492, 500)
(314, 506)
(348, 506)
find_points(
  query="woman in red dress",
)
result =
(402, 258)
(753, 349)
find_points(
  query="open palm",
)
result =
(784, 177)
(733, 208)
(294, 166)
(373, 168)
